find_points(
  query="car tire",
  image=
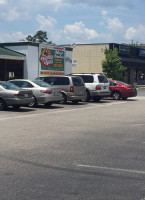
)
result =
(2, 104)
(97, 99)
(64, 98)
(124, 98)
(116, 95)
(75, 101)
(16, 107)
(48, 104)
(87, 96)
(33, 104)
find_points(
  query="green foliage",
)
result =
(112, 65)
(41, 36)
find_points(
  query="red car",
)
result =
(122, 90)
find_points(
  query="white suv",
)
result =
(97, 85)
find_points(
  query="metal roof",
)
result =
(6, 53)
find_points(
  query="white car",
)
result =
(43, 92)
(97, 85)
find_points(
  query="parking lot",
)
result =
(85, 151)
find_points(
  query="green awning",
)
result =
(6, 53)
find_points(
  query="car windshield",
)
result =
(9, 86)
(102, 79)
(41, 83)
(122, 82)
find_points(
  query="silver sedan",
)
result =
(11, 95)
(43, 92)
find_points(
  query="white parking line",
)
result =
(60, 111)
(111, 169)
(137, 124)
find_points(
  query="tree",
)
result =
(112, 65)
(41, 36)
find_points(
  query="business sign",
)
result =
(74, 63)
(124, 50)
(51, 60)
(142, 52)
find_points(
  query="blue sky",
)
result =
(74, 21)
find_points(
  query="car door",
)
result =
(79, 86)
(103, 82)
(113, 86)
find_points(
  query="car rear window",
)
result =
(56, 80)
(77, 81)
(9, 86)
(41, 83)
(122, 83)
(102, 79)
(87, 78)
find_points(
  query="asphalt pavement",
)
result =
(89, 151)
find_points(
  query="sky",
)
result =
(74, 21)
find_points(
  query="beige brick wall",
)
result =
(89, 58)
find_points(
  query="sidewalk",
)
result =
(140, 87)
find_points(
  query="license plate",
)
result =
(104, 87)
(80, 92)
(25, 95)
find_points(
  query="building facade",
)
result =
(30, 60)
(87, 58)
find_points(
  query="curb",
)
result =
(140, 88)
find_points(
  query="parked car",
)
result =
(122, 90)
(97, 85)
(43, 93)
(11, 95)
(72, 87)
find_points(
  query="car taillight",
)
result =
(71, 89)
(30, 94)
(47, 91)
(19, 95)
(98, 87)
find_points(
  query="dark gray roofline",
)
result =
(31, 44)
(85, 44)
(10, 50)
(19, 44)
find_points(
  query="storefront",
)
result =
(134, 59)
(87, 58)
(36, 60)
(11, 64)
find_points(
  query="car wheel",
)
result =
(2, 104)
(75, 101)
(97, 99)
(116, 95)
(33, 104)
(64, 98)
(124, 98)
(48, 104)
(16, 107)
(87, 96)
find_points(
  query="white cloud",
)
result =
(14, 37)
(3, 2)
(10, 15)
(136, 34)
(46, 23)
(77, 32)
(49, 25)
(115, 25)
(104, 12)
